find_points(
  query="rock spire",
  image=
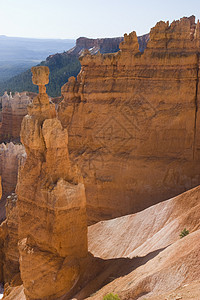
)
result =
(51, 203)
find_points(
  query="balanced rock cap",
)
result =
(40, 75)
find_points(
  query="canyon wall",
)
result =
(133, 120)
(52, 222)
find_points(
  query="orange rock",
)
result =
(152, 259)
(133, 121)
(9, 230)
(11, 156)
(51, 204)
(14, 108)
(137, 256)
(157, 273)
(153, 228)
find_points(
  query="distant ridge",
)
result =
(66, 64)
(18, 48)
(19, 54)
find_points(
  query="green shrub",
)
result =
(183, 233)
(111, 296)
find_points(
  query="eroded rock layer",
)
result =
(51, 203)
(14, 108)
(133, 120)
(141, 256)
(9, 247)
(11, 156)
(154, 259)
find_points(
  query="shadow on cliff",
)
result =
(99, 272)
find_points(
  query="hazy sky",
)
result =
(91, 18)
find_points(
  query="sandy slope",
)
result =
(141, 256)
(163, 261)
(151, 229)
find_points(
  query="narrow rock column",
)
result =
(51, 203)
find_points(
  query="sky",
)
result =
(70, 19)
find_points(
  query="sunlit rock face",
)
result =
(133, 120)
(51, 203)
(156, 263)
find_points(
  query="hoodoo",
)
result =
(134, 131)
(51, 203)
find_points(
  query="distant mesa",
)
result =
(64, 65)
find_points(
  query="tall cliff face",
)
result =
(133, 120)
(51, 203)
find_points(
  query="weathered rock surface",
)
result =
(153, 228)
(133, 123)
(106, 45)
(9, 239)
(11, 156)
(51, 203)
(156, 260)
(14, 108)
(141, 256)
(173, 267)
(133, 120)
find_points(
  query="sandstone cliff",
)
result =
(133, 120)
(51, 204)
(14, 107)
(133, 123)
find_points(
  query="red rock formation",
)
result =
(133, 120)
(104, 45)
(142, 256)
(10, 157)
(153, 228)
(51, 203)
(152, 232)
(107, 45)
(14, 108)
(9, 237)
(168, 270)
